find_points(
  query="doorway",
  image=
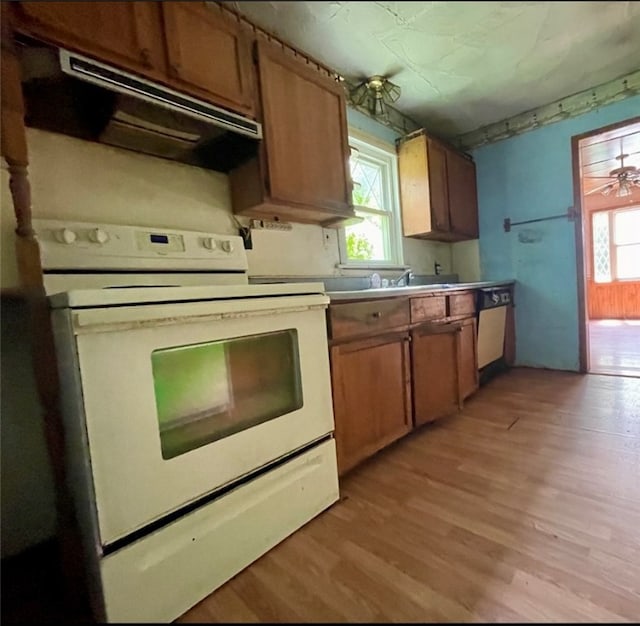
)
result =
(607, 185)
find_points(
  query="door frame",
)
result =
(583, 321)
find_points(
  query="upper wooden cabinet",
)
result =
(437, 190)
(127, 34)
(302, 172)
(193, 48)
(463, 195)
(209, 54)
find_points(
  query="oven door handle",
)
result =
(116, 318)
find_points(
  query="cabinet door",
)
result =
(305, 133)
(468, 363)
(371, 384)
(434, 352)
(510, 337)
(463, 197)
(438, 185)
(209, 54)
(127, 34)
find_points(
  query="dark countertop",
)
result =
(414, 290)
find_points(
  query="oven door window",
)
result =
(209, 391)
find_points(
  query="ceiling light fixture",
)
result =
(622, 180)
(627, 177)
(375, 93)
(624, 189)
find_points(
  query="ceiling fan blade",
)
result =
(598, 188)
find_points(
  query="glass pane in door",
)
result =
(208, 391)
(601, 248)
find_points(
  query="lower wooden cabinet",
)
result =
(371, 380)
(397, 363)
(510, 337)
(434, 359)
(467, 359)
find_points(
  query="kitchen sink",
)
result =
(413, 287)
(389, 291)
(380, 292)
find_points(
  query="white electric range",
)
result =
(197, 409)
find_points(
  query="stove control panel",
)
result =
(87, 245)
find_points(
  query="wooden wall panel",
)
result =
(619, 300)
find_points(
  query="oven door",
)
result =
(183, 399)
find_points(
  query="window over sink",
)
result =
(376, 240)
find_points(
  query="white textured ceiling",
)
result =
(462, 65)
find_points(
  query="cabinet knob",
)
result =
(377, 314)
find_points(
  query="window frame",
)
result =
(613, 246)
(386, 157)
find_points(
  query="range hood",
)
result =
(72, 94)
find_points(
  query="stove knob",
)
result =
(65, 235)
(97, 235)
(209, 243)
(227, 246)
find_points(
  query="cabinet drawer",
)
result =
(363, 318)
(462, 304)
(428, 308)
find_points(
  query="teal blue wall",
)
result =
(526, 177)
(363, 122)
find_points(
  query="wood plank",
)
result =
(462, 304)
(354, 319)
(475, 519)
(617, 300)
(428, 308)
(614, 345)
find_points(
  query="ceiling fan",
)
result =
(375, 93)
(622, 180)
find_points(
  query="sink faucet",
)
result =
(406, 276)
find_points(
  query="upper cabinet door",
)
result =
(210, 54)
(437, 190)
(305, 133)
(463, 196)
(438, 185)
(127, 34)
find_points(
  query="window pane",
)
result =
(209, 391)
(628, 260)
(601, 250)
(626, 226)
(367, 188)
(366, 241)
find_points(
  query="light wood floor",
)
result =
(614, 347)
(525, 507)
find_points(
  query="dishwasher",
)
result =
(492, 320)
